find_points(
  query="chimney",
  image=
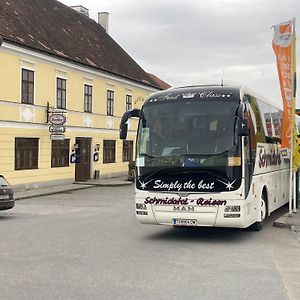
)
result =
(103, 20)
(81, 9)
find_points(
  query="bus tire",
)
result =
(257, 226)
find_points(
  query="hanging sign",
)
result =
(57, 137)
(57, 129)
(57, 119)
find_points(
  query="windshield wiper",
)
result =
(147, 155)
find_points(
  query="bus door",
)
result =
(249, 149)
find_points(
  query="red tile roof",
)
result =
(53, 28)
(162, 84)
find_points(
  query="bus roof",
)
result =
(207, 91)
(192, 92)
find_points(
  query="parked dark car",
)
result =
(6, 195)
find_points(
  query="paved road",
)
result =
(87, 245)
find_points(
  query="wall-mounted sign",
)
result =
(72, 158)
(96, 156)
(57, 137)
(57, 119)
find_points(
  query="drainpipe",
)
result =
(1, 40)
(297, 176)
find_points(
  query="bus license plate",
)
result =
(184, 222)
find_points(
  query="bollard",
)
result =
(97, 174)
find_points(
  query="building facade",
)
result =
(61, 102)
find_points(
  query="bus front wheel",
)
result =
(257, 226)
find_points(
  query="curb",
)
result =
(107, 184)
(60, 189)
(117, 183)
(290, 221)
(295, 228)
(282, 224)
(45, 193)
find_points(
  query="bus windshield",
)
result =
(186, 134)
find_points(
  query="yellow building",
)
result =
(64, 85)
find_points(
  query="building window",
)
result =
(109, 151)
(26, 153)
(61, 92)
(60, 153)
(127, 150)
(110, 102)
(128, 102)
(27, 86)
(88, 93)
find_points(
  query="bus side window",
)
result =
(249, 115)
(249, 148)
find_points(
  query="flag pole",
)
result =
(294, 102)
(291, 186)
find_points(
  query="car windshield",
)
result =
(188, 134)
(3, 182)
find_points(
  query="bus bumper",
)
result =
(229, 215)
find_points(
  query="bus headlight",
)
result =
(141, 206)
(232, 208)
(232, 215)
(141, 213)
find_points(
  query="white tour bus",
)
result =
(208, 156)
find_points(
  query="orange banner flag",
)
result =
(282, 45)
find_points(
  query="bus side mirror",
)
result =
(123, 131)
(243, 129)
(134, 113)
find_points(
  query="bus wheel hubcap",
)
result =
(262, 209)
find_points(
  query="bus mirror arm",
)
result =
(243, 129)
(123, 131)
(242, 123)
(134, 113)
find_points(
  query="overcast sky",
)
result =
(197, 41)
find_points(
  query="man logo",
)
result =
(182, 194)
(183, 208)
